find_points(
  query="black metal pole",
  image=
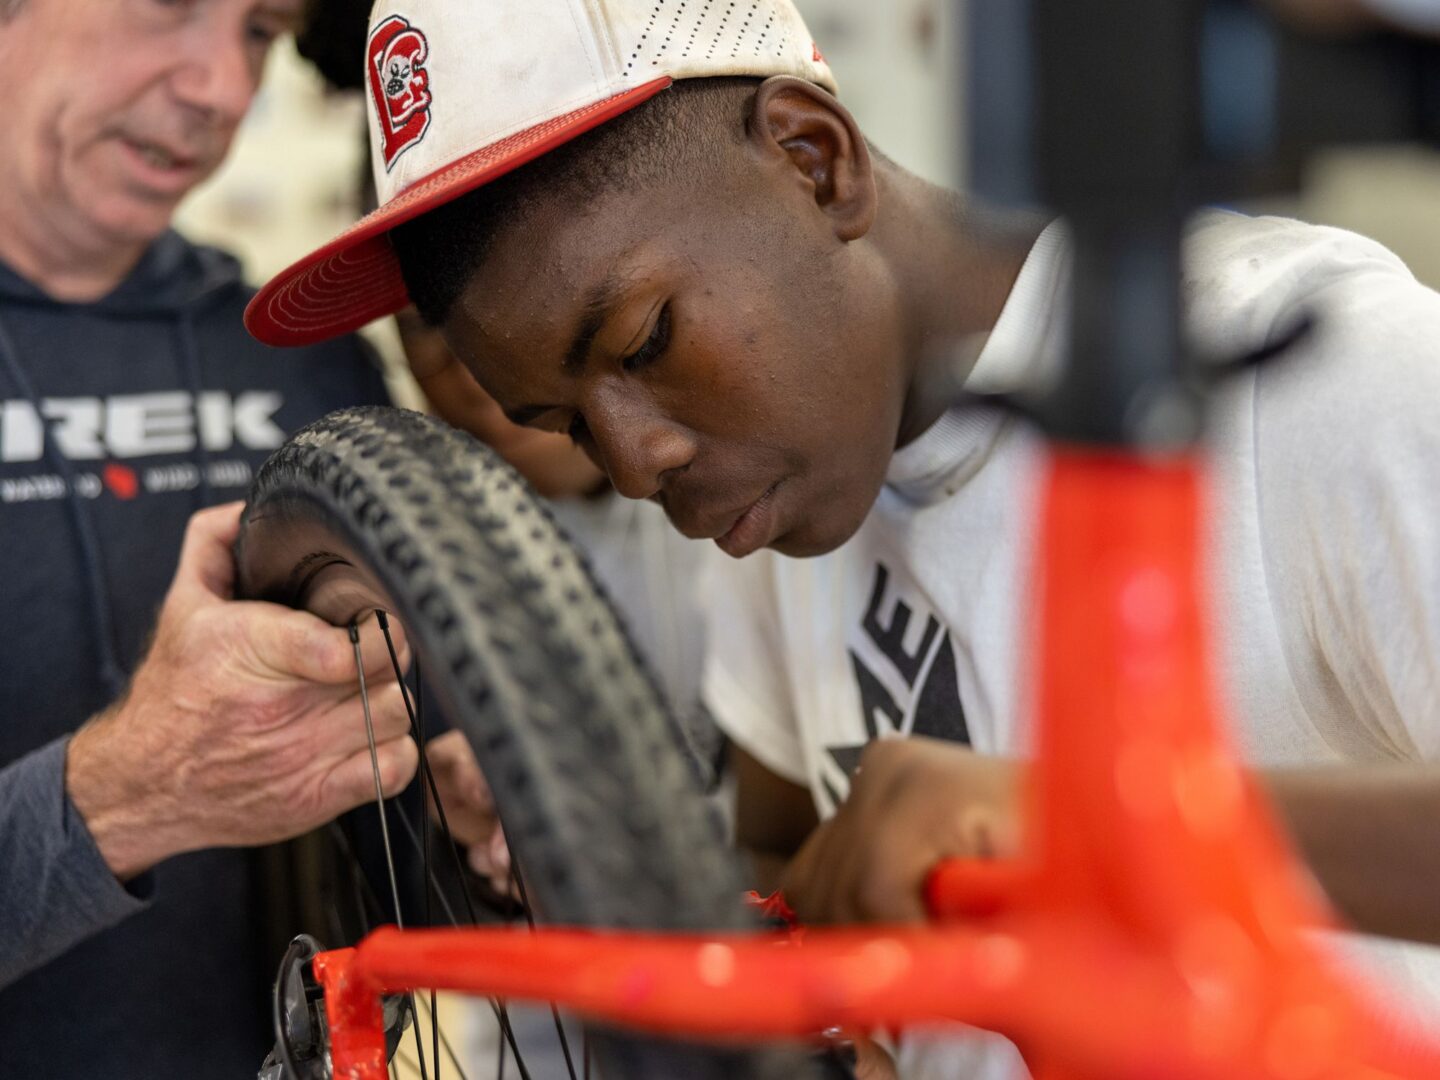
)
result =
(1117, 122)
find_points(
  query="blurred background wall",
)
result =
(291, 182)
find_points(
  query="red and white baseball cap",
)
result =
(463, 91)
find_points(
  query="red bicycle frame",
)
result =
(1156, 925)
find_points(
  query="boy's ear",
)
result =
(820, 141)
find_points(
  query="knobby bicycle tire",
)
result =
(523, 653)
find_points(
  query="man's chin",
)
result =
(132, 223)
(130, 214)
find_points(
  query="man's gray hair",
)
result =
(9, 8)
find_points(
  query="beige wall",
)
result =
(1391, 194)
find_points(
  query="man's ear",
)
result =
(820, 142)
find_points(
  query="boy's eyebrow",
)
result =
(598, 302)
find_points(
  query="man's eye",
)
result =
(654, 346)
(262, 34)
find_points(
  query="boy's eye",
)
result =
(579, 431)
(654, 346)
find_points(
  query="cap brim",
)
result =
(355, 278)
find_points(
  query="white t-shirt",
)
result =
(653, 575)
(1323, 545)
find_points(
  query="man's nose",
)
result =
(218, 79)
(637, 446)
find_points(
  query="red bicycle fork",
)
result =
(1154, 927)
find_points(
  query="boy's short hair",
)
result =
(681, 130)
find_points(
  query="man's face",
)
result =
(718, 350)
(125, 105)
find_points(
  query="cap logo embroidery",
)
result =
(399, 84)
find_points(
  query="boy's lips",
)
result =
(753, 529)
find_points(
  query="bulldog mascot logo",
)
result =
(399, 84)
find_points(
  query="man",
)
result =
(129, 397)
(744, 312)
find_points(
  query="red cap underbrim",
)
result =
(355, 278)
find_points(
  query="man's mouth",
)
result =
(753, 529)
(165, 161)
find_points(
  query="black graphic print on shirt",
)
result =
(903, 691)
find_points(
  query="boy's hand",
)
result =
(873, 1062)
(913, 802)
(470, 809)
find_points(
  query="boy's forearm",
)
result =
(1371, 836)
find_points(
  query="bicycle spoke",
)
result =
(384, 825)
(428, 777)
(501, 1013)
(425, 834)
(443, 1040)
(419, 1042)
(371, 901)
(435, 1039)
(375, 769)
(414, 710)
(530, 918)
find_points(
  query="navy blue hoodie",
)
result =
(118, 419)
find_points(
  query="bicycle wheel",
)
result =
(381, 509)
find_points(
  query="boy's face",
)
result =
(713, 347)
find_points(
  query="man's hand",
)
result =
(913, 802)
(242, 726)
(470, 809)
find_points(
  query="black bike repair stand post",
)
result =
(1117, 129)
(1090, 108)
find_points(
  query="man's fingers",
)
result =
(322, 738)
(207, 562)
(376, 651)
(352, 782)
(399, 759)
(387, 712)
(297, 644)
